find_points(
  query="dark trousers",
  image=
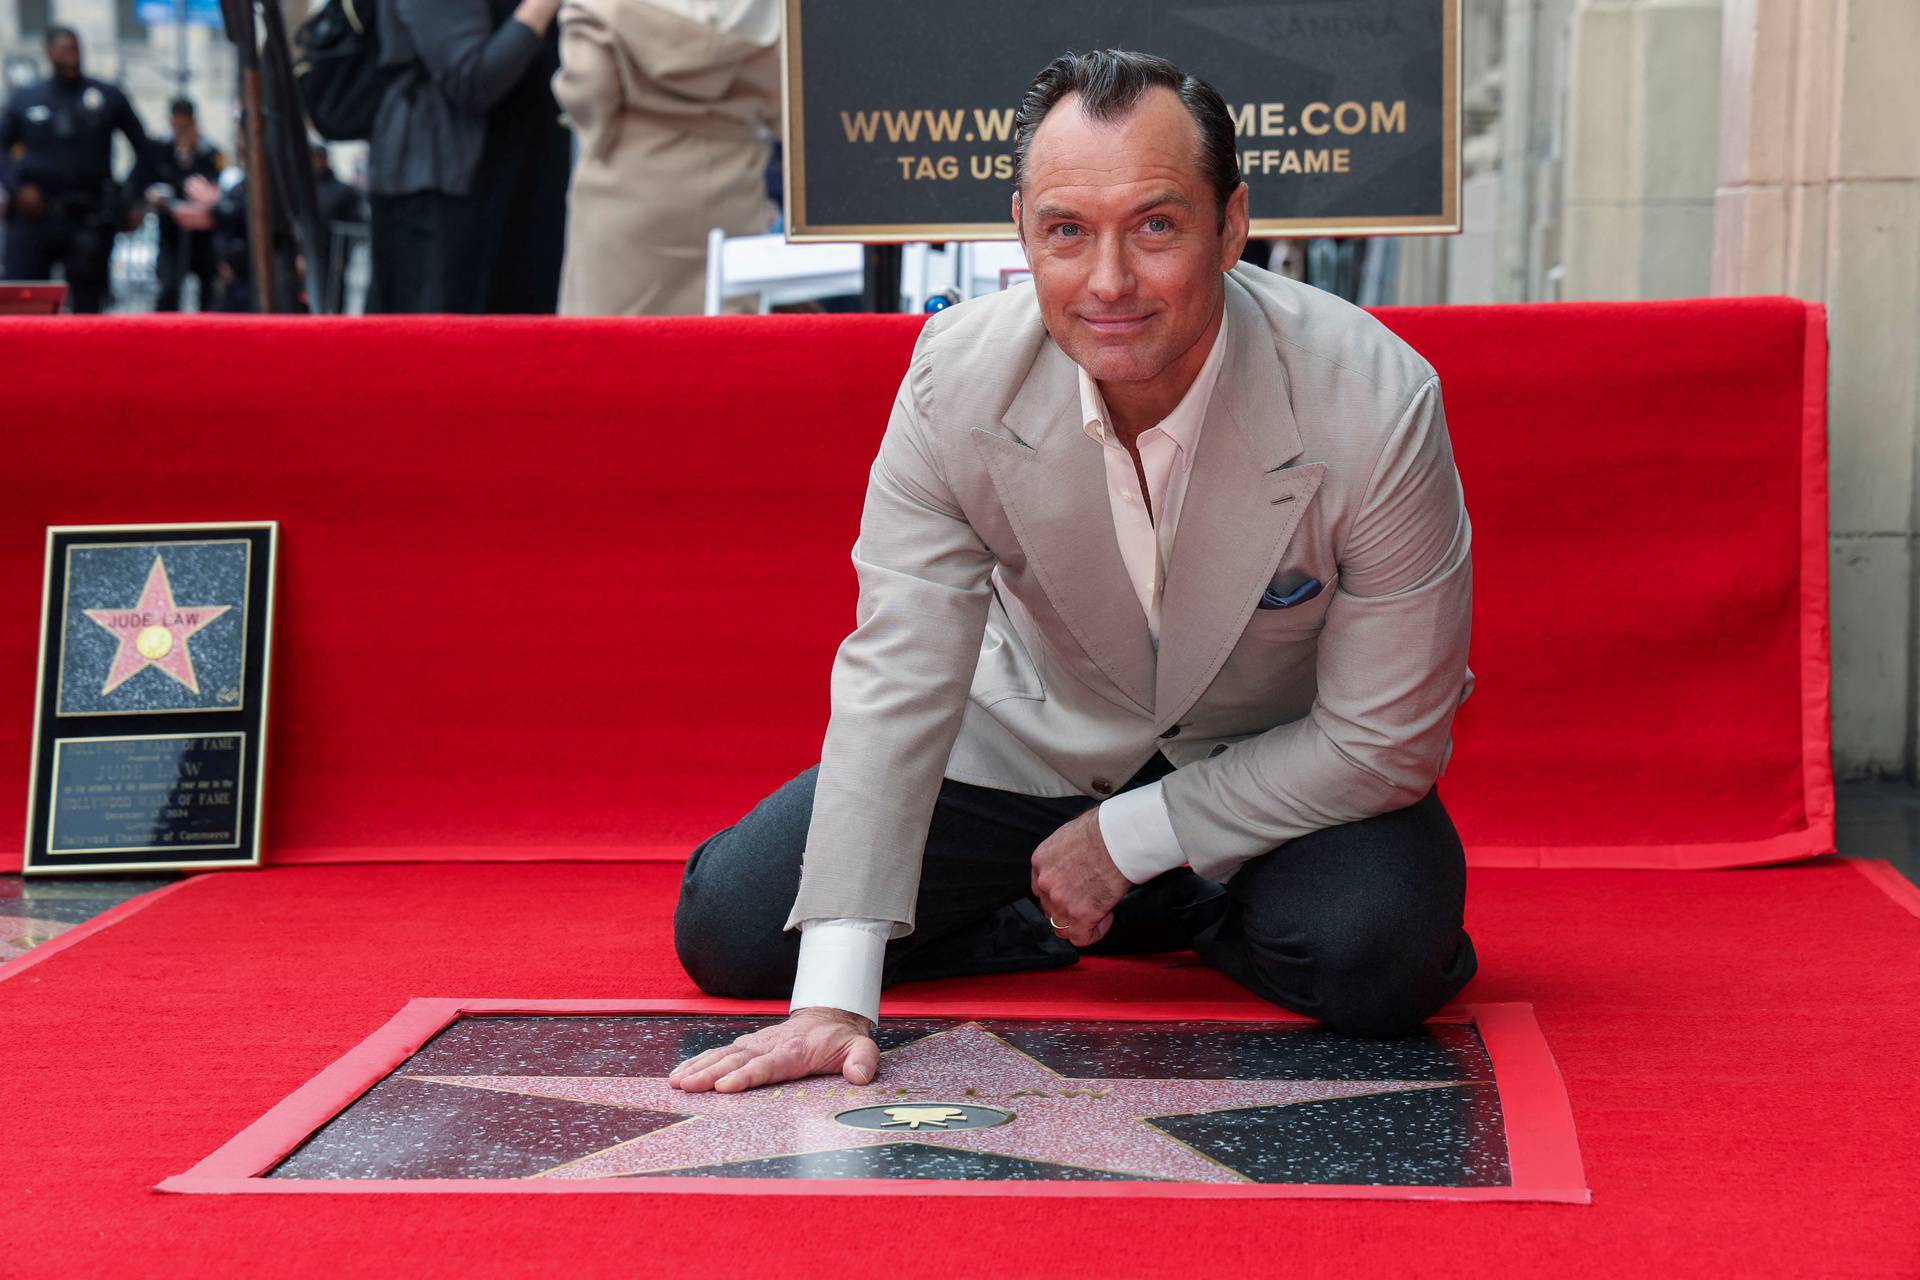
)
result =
(82, 246)
(496, 251)
(177, 258)
(1358, 925)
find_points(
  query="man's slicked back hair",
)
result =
(1110, 83)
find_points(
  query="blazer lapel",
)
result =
(1052, 481)
(1242, 505)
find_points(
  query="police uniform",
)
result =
(57, 135)
(184, 253)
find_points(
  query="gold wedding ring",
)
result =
(1056, 924)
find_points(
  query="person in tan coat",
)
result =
(672, 102)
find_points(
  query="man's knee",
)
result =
(1376, 964)
(763, 971)
(728, 941)
(1377, 1002)
(1364, 921)
(729, 928)
(1383, 973)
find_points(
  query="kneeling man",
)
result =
(1162, 626)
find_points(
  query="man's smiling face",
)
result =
(1123, 232)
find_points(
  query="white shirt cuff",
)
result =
(840, 962)
(1139, 833)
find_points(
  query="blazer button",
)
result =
(1102, 786)
(1172, 733)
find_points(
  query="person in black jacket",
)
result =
(56, 170)
(186, 245)
(468, 162)
(338, 201)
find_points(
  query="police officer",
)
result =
(62, 205)
(186, 239)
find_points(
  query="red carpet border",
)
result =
(1738, 1049)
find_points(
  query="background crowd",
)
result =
(523, 156)
(506, 156)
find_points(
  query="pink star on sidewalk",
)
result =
(1099, 1125)
(153, 633)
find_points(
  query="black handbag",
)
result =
(339, 72)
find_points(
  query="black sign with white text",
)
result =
(900, 116)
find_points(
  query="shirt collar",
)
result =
(1183, 424)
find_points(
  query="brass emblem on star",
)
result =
(914, 1117)
(924, 1117)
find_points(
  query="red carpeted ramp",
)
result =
(573, 589)
(1737, 1050)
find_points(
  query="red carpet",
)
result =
(573, 589)
(1738, 1048)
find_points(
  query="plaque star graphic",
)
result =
(1100, 1125)
(153, 633)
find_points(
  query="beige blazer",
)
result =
(1000, 642)
(672, 111)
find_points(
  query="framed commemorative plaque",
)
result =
(150, 718)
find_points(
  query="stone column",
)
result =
(1642, 133)
(1520, 134)
(1819, 197)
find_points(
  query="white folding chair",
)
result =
(740, 266)
(983, 261)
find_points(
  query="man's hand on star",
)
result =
(812, 1042)
(1076, 881)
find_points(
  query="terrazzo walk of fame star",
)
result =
(585, 1097)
